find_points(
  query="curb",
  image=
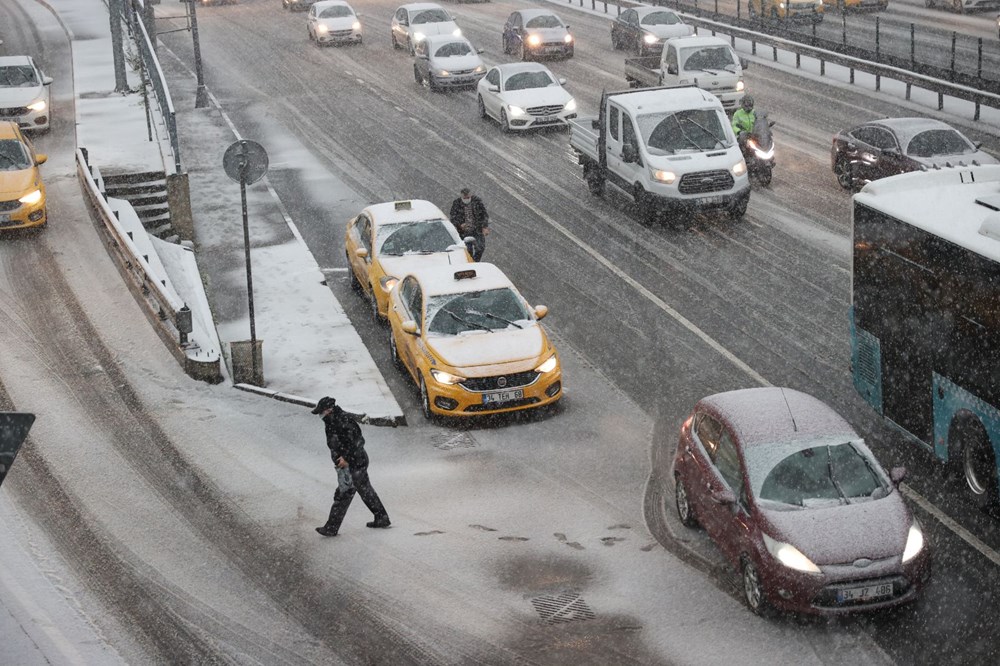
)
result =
(360, 417)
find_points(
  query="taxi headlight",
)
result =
(356, 25)
(568, 39)
(32, 197)
(667, 177)
(446, 377)
(419, 36)
(37, 106)
(739, 168)
(740, 86)
(457, 32)
(534, 40)
(516, 111)
(914, 542)
(549, 365)
(650, 39)
(388, 282)
(570, 105)
(789, 555)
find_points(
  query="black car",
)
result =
(891, 146)
(536, 33)
(644, 29)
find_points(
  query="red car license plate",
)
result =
(864, 593)
(497, 397)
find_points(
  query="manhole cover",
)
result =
(454, 440)
(565, 607)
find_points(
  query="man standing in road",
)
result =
(468, 214)
(347, 448)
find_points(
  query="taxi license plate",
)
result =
(502, 396)
(864, 593)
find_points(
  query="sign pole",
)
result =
(246, 248)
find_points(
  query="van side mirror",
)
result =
(562, 80)
(744, 63)
(595, 123)
(629, 154)
(479, 50)
(46, 80)
(672, 69)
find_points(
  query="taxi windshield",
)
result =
(804, 475)
(487, 310)
(420, 237)
(13, 156)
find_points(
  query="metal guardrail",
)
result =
(852, 62)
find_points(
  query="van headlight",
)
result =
(739, 168)
(740, 86)
(789, 555)
(548, 366)
(31, 198)
(516, 111)
(570, 105)
(446, 377)
(914, 542)
(38, 105)
(667, 177)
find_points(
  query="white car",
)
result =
(524, 95)
(333, 22)
(414, 22)
(444, 61)
(24, 93)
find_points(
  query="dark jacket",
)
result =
(343, 436)
(480, 218)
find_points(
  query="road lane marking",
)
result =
(965, 534)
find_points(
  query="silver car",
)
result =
(445, 61)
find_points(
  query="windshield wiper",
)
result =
(470, 324)
(833, 478)
(497, 317)
(9, 160)
(687, 137)
(871, 470)
(704, 129)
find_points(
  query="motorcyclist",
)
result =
(744, 119)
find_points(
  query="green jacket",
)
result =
(743, 121)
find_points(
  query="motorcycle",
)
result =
(758, 149)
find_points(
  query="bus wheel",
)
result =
(979, 465)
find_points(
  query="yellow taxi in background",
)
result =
(471, 342)
(387, 240)
(22, 193)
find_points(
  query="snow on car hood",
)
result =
(476, 348)
(457, 63)
(549, 35)
(12, 96)
(407, 263)
(664, 31)
(13, 184)
(442, 28)
(339, 23)
(548, 96)
(841, 534)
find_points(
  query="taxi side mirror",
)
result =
(41, 158)
(409, 326)
(361, 252)
(541, 311)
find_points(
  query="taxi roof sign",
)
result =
(404, 205)
(466, 274)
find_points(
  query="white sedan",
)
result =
(412, 23)
(24, 93)
(524, 95)
(333, 22)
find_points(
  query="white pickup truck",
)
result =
(707, 62)
(671, 149)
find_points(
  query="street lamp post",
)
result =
(201, 96)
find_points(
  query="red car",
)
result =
(792, 496)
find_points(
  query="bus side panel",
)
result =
(949, 400)
(866, 365)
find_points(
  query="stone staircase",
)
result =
(147, 192)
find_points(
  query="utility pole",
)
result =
(121, 81)
(201, 95)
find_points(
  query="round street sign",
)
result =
(245, 160)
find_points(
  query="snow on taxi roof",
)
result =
(407, 210)
(439, 280)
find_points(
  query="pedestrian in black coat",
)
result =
(347, 449)
(468, 214)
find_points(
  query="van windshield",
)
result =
(690, 130)
(706, 58)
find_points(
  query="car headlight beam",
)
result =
(388, 282)
(356, 25)
(739, 168)
(659, 175)
(516, 111)
(568, 39)
(457, 32)
(650, 39)
(534, 40)
(789, 555)
(446, 377)
(740, 86)
(31, 198)
(549, 365)
(419, 36)
(914, 542)
(570, 105)
(38, 105)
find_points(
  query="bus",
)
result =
(925, 314)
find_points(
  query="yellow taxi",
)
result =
(471, 342)
(389, 239)
(22, 193)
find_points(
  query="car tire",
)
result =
(753, 588)
(425, 401)
(506, 46)
(392, 37)
(615, 43)
(355, 283)
(682, 503)
(844, 176)
(737, 212)
(522, 53)
(978, 464)
(481, 106)
(595, 182)
(504, 123)
(647, 212)
(417, 77)
(394, 350)
(373, 308)
(409, 46)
